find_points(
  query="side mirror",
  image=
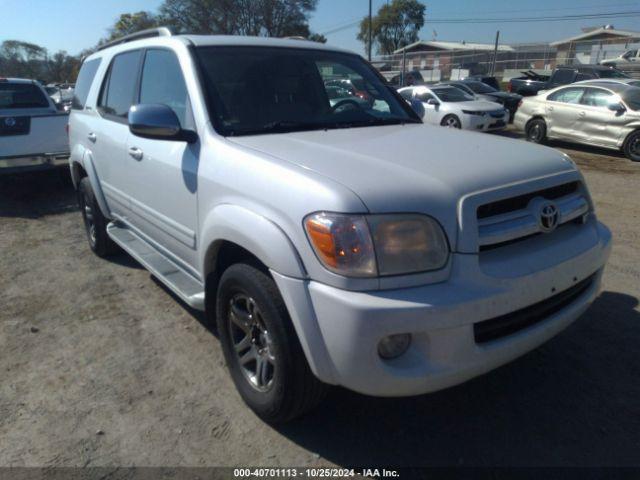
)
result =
(417, 107)
(616, 107)
(433, 101)
(159, 122)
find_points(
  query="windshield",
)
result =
(480, 87)
(632, 98)
(611, 74)
(21, 95)
(451, 94)
(253, 90)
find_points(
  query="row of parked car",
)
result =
(588, 104)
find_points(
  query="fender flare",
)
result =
(86, 162)
(253, 232)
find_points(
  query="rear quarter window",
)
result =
(83, 83)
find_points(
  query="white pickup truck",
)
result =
(32, 131)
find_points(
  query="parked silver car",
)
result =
(451, 107)
(600, 113)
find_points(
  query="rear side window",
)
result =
(594, 97)
(22, 95)
(83, 83)
(162, 82)
(563, 76)
(119, 88)
(567, 95)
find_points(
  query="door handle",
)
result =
(581, 114)
(136, 153)
(550, 108)
(92, 137)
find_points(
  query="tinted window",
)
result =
(406, 94)
(632, 98)
(594, 97)
(451, 94)
(254, 90)
(563, 76)
(463, 87)
(567, 95)
(424, 96)
(22, 95)
(584, 76)
(118, 92)
(162, 82)
(611, 73)
(83, 83)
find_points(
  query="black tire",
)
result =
(292, 389)
(95, 224)
(631, 146)
(536, 131)
(451, 121)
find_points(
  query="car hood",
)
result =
(413, 167)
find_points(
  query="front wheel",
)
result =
(536, 131)
(632, 146)
(261, 349)
(451, 121)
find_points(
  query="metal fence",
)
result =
(510, 60)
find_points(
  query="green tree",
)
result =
(396, 25)
(268, 18)
(132, 22)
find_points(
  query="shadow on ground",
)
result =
(35, 194)
(563, 404)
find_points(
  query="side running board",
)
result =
(190, 290)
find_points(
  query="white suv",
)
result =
(333, 244)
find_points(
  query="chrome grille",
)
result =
(519, 217)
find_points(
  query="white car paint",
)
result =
(469, 114)
(180, 200)
(44, 142)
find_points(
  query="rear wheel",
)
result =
(95, 223)
(451, 121)
(536, 130)
(631, 146)
(262, 351)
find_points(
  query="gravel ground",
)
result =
(101, 366)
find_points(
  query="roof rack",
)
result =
(149, 33)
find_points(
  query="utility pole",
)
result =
(370, 22)
(495, 54)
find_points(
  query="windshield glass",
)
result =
(21, 95)
(480, 87)
(451, 94)
(253, 90)
(632, 98)
(611, 74)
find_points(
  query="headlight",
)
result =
(372, 245)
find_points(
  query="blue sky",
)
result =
(72, 25)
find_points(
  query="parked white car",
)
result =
(634, 82)
(32, 131)
(451, 107)
(602, 113)
(330, 245)
(627, 58)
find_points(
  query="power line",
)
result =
(558, 18)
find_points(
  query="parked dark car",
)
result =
(531, 83)
(491, 81)
(483, 91)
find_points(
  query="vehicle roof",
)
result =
(216, 40)
(624, 81)
(584, 66)
(613, 86)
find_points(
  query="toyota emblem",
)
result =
(548, 217)
(10, 121)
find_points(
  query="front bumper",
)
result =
(44, 161)
(486, 123)
(342, 345)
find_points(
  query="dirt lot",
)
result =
(100, 365)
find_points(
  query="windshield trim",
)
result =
(211, 108)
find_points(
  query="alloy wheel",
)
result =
(89, 219)
(251, 342)
(452, 122)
